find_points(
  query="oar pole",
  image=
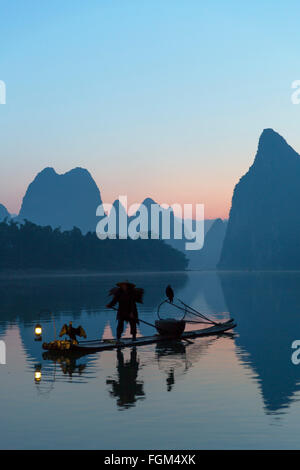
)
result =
(54, 326)
(198, 313)
(146, 323)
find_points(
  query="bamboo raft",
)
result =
(87, 347)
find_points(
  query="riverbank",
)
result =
(39, 273)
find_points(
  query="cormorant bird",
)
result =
(72, 332)
(170, 293)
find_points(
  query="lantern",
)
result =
(38, 374)
(38, 332)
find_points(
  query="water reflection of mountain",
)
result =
(25, 298)
(265, 306)
(203, 291)
(267, 310)
(174, 359)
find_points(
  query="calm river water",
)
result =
(236, 391)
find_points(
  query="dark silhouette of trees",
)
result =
(30, 246)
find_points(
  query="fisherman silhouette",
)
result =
(126, 295)
(127, 388)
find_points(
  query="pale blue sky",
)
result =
(160, 98)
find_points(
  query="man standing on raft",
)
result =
(126, 295)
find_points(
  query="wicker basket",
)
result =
(170, 327)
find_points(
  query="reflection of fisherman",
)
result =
(126, 295)
(170, 380)
(127, 388)
(170, 356)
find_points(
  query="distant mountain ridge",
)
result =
(214, 230)
(209, 256)
(264, 225)
(3, 212)
(65, 200)
(262, 233)
(70, 200)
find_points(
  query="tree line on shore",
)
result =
(30, 246)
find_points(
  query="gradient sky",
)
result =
(160, 98)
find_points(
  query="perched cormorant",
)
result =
(72, 332)
(170, 293)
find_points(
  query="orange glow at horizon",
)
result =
(213, 207)
(215, 197)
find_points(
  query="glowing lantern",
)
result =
(38, 332)
(38, 374)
